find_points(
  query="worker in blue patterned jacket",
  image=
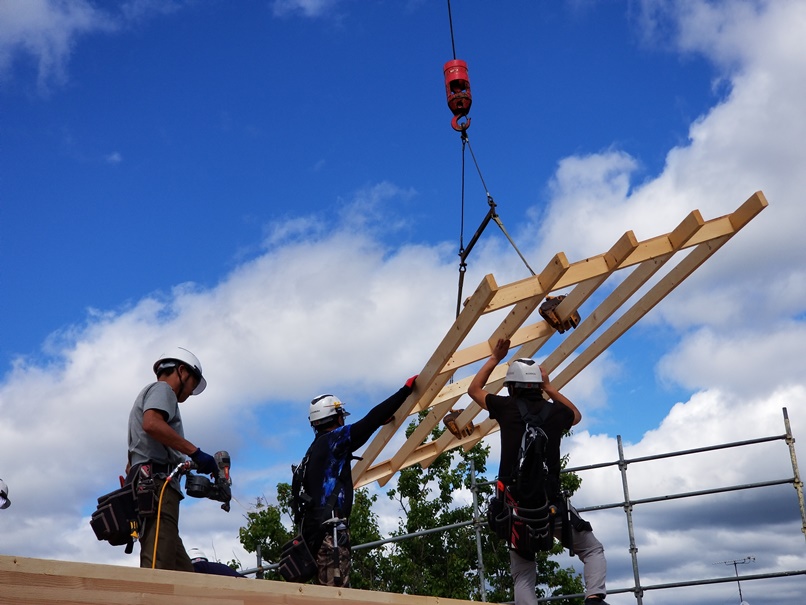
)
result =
(328, 481)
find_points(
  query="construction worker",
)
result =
(157, 445)
(4, 501)
(527, 382)
(327, 480)
(202, 565)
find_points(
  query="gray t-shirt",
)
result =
(143, 447)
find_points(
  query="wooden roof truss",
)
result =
(437, 395)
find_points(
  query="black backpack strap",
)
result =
(531, 418)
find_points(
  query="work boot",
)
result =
(595, 601)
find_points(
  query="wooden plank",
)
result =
(28, 581)
(637, 278)
(554, 270)
(668, 283)
(678, 238)
(614, 258)
(531, 338)
(646, 250)
(426, 453)
(538, 332)
(430, 381)
(522, 309)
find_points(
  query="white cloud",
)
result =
(46, 32)
(330, 307)
(306, 8)
(308, 316)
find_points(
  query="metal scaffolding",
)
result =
(628, 504)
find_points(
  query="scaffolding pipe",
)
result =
(422, 532)
(761, 576)
(639, 594)
(704, 492)
(697, 450)
(477, 522)
(638, 590)
(790, 441)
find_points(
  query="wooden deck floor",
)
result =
(25, 581)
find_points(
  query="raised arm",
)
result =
(476, 388)
(362, 430)
(558, 397)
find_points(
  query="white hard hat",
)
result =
(324, 407)
(524, 373)
(4, 501)
(180, 354)
(196, 553)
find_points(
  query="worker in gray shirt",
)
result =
(157, 445)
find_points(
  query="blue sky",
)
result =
(276, 186)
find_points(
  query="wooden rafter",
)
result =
(434, 394)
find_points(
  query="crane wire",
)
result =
(450, 24)
(491, 214)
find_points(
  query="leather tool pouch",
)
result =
(296, 562)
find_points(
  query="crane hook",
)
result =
(457, 88)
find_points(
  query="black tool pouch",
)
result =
(115, 518)
(296, 562)
(499, 518)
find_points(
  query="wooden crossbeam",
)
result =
(644, 258)
(430, 381)
(513, 320)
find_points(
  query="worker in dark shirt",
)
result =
(202, 565)
(528, 385)
(328, 481)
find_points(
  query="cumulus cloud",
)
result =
(332, 307)
(309, 315)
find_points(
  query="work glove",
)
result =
(410, 381)
(205, 463)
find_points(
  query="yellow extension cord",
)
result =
(157, 529)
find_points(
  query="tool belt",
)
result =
(526, 529)
(120, 515)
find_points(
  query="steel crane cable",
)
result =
(459, 100)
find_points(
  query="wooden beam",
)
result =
(647, 257)
(27, 581)
(555, 269)
(668, 283)
(647, 250)
(430, 381)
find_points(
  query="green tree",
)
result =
(265, 528)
